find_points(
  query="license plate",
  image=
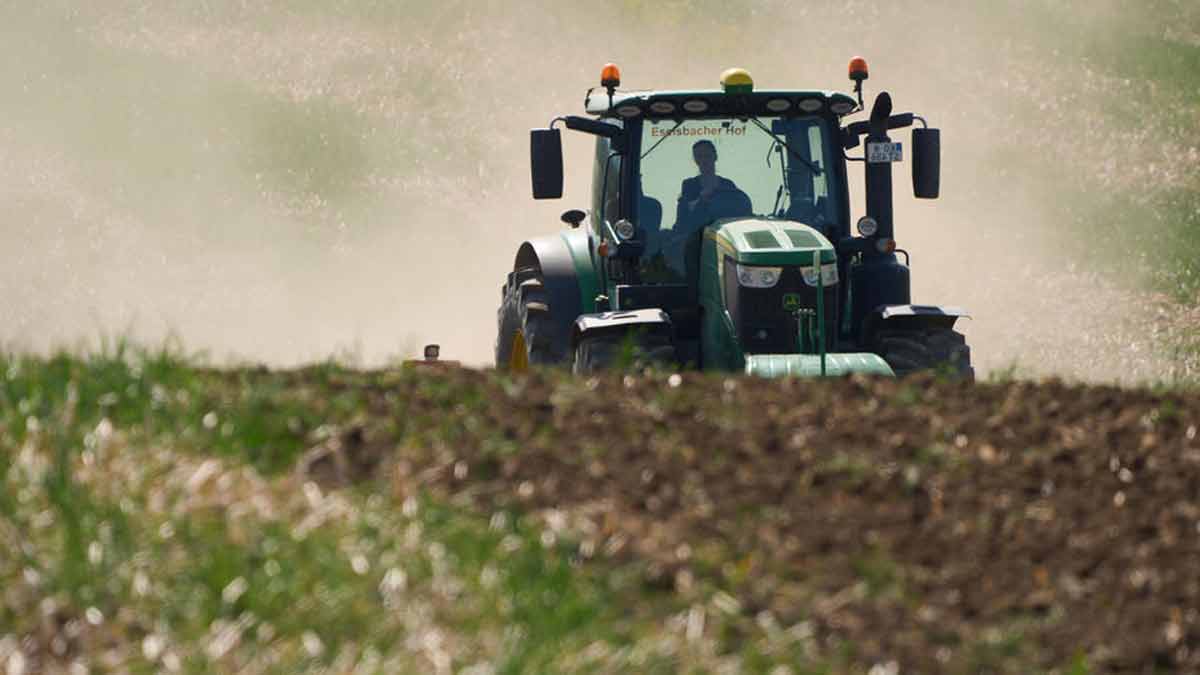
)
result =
(884, 153)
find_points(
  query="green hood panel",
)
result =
(809, 365)
(765, 241)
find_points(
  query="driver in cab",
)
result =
(705, 197)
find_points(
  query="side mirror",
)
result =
(926, 163)
(546, 163)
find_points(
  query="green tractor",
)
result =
(718, 237)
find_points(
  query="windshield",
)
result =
(701, 170)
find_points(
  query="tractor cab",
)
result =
(671, 163)
(709, 169)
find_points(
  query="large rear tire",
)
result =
(941, 350)
(525, 335)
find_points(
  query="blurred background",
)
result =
(284, 181)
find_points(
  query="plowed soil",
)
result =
(928, 523)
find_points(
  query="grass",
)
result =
(158, 395)
(149, 567)
(158, 538)
(1109, 122)
(1155, 237)
(160, 521)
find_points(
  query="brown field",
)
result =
(928, 523)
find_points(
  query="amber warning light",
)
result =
(858, 73)
(610, 76)
(858, 69)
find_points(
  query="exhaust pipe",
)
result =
(879, 168)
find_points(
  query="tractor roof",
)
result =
(710, 103)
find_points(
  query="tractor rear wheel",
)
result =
(622, 350)
(525, 335)
(941, 350)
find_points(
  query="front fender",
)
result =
(565, 262)
(910, 317)
(620, 322)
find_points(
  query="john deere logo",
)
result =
(791, 302)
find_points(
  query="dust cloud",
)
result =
(284, 181)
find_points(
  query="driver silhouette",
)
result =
(703, 198)
(706, 196)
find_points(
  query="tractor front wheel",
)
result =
(940, 350)
(525, 330)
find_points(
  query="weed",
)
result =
(878, 571)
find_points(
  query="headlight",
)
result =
(867, 226)
(829, 275)
(758, 277)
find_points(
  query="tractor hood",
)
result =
(767, 241)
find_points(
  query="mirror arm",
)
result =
(590, 126)
(856, 129)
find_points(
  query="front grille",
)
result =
(764, 326)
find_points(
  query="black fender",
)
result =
(910, 317)
(653, 320)
(551, 256)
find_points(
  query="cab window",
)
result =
(611, 204)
